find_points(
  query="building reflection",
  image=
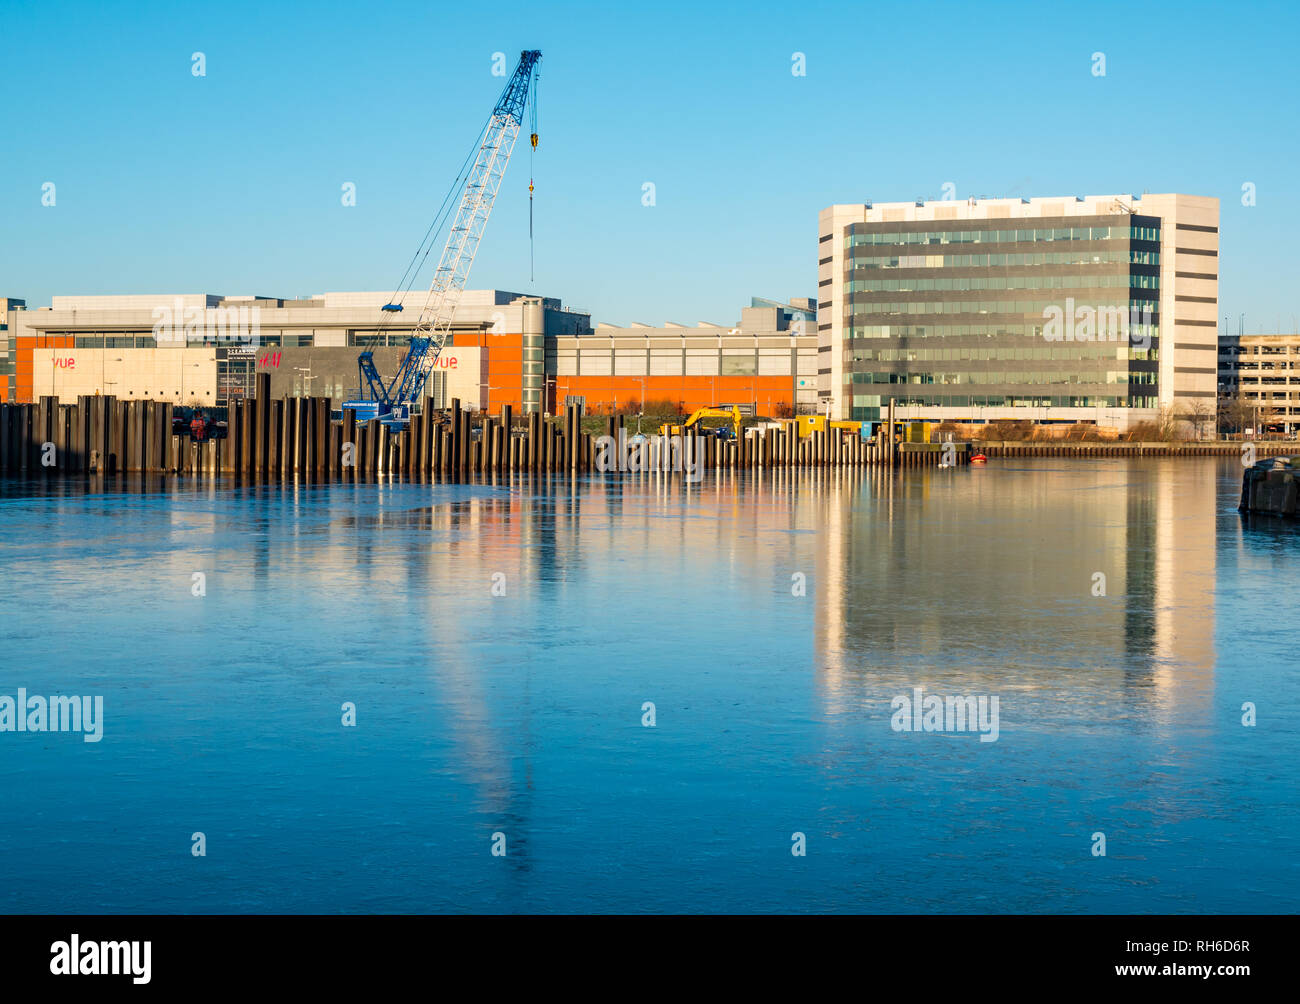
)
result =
(993, 578)
(967, 581)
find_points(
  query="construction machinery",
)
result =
(807, 424)
(919, 432)
(197, 424)
(692, 424)
(391, 401)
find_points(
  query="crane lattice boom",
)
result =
(391, 402)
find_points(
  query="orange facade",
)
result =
(22, 349)
(503, 362)
(605, 393)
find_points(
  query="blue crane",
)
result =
(390, 401)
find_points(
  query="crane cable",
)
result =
(532, 155)
(426, 245)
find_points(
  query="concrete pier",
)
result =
(1270, 486)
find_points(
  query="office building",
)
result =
(1099, 309)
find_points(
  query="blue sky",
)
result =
(230, 183)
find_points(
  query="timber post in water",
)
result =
(300, 437)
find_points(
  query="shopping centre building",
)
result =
(529, 352)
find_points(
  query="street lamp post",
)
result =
(640, 407)
(306, 379)
(103, 379)
(183, 366)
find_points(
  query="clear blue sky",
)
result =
(230, 183)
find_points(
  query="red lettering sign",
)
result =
(65, 363)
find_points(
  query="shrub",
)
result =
(1083, 432)
(1142, 432)
(663, 407)
(1007, 432)
(1166, 428)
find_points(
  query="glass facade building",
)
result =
(956, 318)
(1054, 316)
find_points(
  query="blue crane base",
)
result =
(398, 416)
(390, 402)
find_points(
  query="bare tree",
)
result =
(1197, 414)
(1166, 424)
(1235, 413)
(1265, 415)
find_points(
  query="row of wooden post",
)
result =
(1132, 449)
(299, 437)
(99, 433)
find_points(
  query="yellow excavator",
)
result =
(692, 424)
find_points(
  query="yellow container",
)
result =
(811, 423)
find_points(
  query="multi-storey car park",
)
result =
(1260, 375)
